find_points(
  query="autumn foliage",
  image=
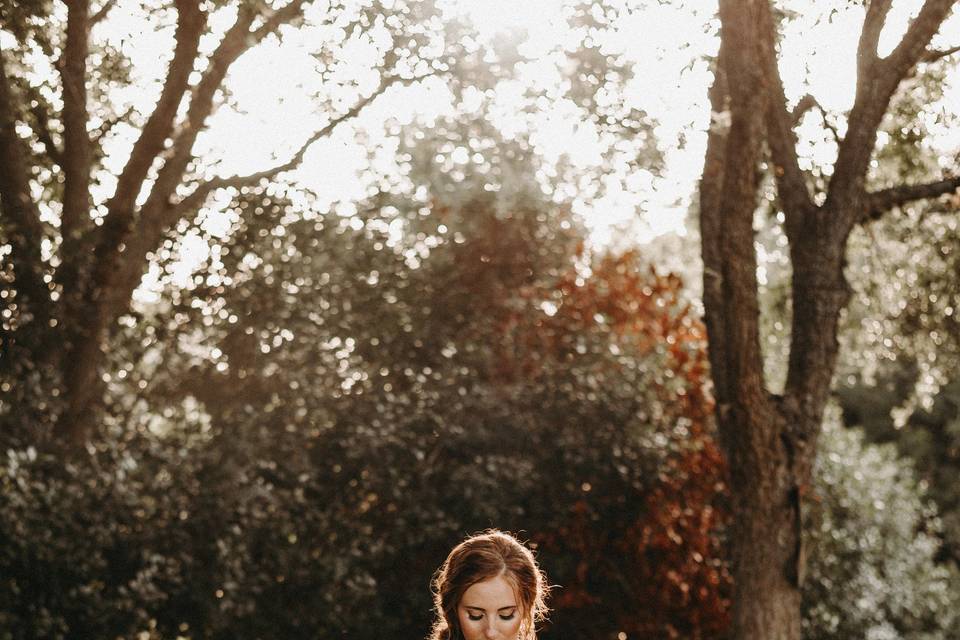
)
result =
(661, 572)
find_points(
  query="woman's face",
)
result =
(489, 610)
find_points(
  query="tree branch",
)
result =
(77, 156)
(876, 84)
(873, 22)
(235, 42)
(191, 21)
(102, 13)
(199, 195)
(117, 277)
(39, 109)
(879, 202)
(740, 188)
(711, 225)
(932, 55)
(107, 125)
(285, 14)
(791, 185)
(728, 194)
(917, 38)
(807, 103)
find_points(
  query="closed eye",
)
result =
(504, 613)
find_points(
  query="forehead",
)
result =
(491, 594)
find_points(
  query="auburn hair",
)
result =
(481, 557)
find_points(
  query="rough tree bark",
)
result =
(770, 440)
(100, 266)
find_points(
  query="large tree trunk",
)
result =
(770, 440)
(764, 540)
(770, 443)
(82, 388)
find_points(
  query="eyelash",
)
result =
(480, 617)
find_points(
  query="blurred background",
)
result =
(426, 268)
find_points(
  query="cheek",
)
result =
(469, 627)
(512, 627)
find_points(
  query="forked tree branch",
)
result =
(877, 81)
(237, 40)
(119, 255)
(917, 38)
(880, 202)
(112, 251)
(873, 22)
(805, 104)
(123, 271)
(191, 21)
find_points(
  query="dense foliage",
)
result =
(296, 431)
(471, 371)
(301, 473)
(874, 544)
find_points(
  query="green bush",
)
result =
(873, 544)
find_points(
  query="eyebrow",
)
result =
(467, 606)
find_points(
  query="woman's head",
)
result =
(489, 587)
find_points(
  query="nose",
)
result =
(490, 632)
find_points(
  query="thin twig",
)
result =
(935, 54)
(196, 198)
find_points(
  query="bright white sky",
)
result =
(666, 42)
